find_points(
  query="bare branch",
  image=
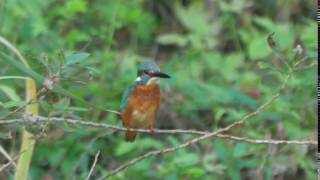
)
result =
(111, 111)
(4, 166)
(87, 123)
(41, 119)
(267, 141)
(5, 154)
(93, 165)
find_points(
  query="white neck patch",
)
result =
(153, 80)
(138, 79)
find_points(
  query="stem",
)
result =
(28, 140)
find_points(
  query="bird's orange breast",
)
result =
(142, 108)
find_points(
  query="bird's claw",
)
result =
(151, 129)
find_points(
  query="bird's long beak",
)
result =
(160, 75)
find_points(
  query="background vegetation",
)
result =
(221, 67)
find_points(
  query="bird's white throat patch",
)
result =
(153, 80)
(138, 79)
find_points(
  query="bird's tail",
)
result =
(130, 136)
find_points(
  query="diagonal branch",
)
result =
(266, 141)
(4, 166)
(93, 165)
(5, 154)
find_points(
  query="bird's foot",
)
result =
(151, 129)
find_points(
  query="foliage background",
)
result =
(222, 68)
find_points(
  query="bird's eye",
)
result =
(146, 72)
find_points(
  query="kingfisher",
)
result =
(141, 100)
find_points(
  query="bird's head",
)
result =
(149, 73)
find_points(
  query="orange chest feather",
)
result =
(142, 107)
(145, 97)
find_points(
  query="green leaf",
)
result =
(22, 68)
(62, 104)
(12, 77)
(241, 149)
(173, 141)
(55, 157)
(11, 104)
(285, 36)
(77, 36)
(219, 113)
(264, 22)
(222, 150)
(150, 143)
(195, 19)
(236, 6)
(45, 106)
(172, 39)
(231, 63)
(263, 65)
(125, 148)
(258, 48)
(234, 173)
(10, 92)
(77, 109)
(196, 172)
(93, 70)
(76, 58)
(187, 160)
(76, 6)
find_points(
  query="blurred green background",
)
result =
(222, 68)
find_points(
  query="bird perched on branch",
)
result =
(141, 101)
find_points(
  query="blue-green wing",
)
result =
(125, 96)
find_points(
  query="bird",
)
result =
(141, 100)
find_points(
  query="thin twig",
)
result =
(112, 111)
(93, 165)
(4, 166)
(41, 119)
(5, 154)
(267, 141)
